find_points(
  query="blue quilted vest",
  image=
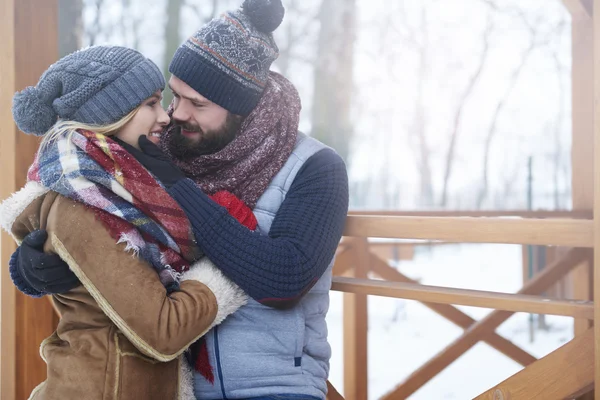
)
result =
(259, 350)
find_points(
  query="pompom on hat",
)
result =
(228, 59)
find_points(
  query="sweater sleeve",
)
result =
(279, 268)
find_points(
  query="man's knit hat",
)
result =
(98, 86)
(228, 60)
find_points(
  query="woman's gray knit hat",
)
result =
(98, 86)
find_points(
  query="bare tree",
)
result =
(70, 26)
(297, 31)
(333, 77)
(172, 40)
(513, 80)
(123, 20)
(420, 40)
(557, 154)
(202, 12)
(394, 28)
(172, 32)
(95, 29)
(463, 100)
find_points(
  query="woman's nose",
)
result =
(163, 118)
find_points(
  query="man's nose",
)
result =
(181, 113)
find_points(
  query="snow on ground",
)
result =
(403, 335)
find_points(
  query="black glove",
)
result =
(45, 272)
(155, 161)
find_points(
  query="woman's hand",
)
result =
(155, 161)
(47, 273)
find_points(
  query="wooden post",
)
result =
(28, 47)
(7, 141)
(355, 329)
(582, 153)
(596, 141)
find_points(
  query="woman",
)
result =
(122, 332)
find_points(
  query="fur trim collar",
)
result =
(13, 207)
(186, 380)
(229, 296)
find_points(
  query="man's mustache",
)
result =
(188, 127)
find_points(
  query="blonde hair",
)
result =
(66, 128)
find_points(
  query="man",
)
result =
(235, 128)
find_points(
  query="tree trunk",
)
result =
(420, 118)
(172, 41)
(70, 26)
(333, 79)
(514, 78)
(450, 155)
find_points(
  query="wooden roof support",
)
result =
(596, 84)
(7, 144)
(28, 47)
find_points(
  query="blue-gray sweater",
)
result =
(276, 344)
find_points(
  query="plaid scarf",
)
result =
(94, 170)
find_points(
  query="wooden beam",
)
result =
(453, 314)
(569, 233)
(571, 214)
(355, 330)
(596, 52)
(465, 297)
(582, 153)
(28, 47)
(7, 185)
(473, 335)
(559, 375)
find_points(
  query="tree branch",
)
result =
(450, 155)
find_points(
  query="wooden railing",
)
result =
(356, 263)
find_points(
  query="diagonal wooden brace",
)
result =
(453, 314)
(487, 325)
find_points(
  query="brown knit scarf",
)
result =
(246, 166)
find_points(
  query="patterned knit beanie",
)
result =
(98, 86)
(228, 60)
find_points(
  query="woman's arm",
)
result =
(129, 291)
(278, 269)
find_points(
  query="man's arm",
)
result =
(277, 269)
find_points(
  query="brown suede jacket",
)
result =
(120, 335)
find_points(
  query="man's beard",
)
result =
(210, 142)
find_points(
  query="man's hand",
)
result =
(155, 161)
(45, 272)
